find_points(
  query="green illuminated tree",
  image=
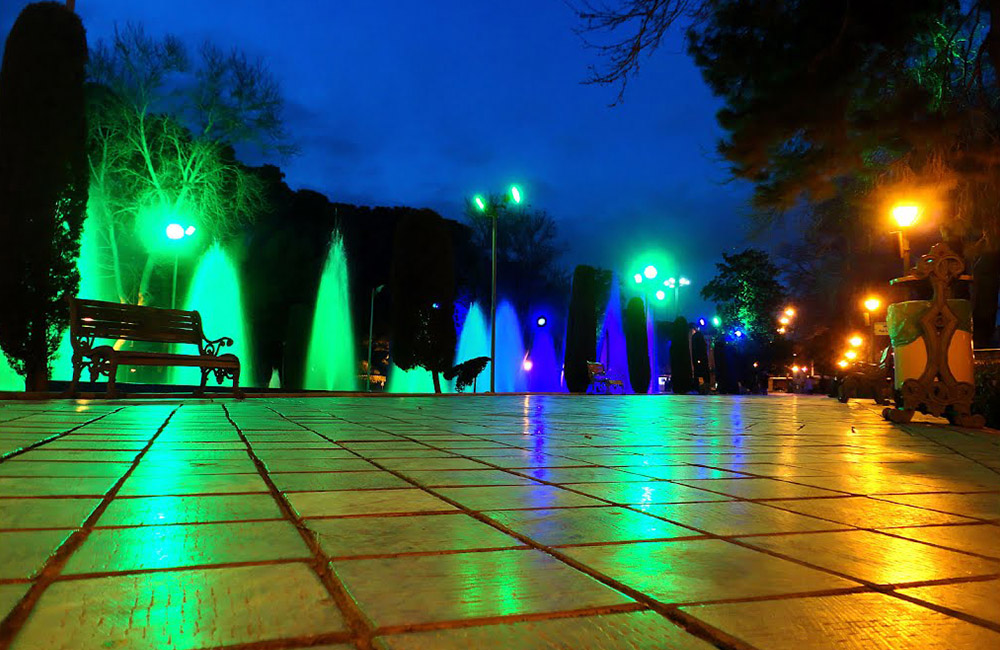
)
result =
(163, 126)
(747, 293)
(43, 182)
(423, 295)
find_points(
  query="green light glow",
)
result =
(649, 272)
(175, 231)
(660, 295)
(716, 321)
(638, 278)
(515, 193)
(479, 203)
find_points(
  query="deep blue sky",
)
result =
(424, 103)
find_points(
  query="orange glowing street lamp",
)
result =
(905, 215)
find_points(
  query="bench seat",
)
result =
(94, 319)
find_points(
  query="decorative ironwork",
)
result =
(937, 391)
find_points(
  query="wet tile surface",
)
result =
(508, 521)
(470, 585)
(626, 631)
(848, 621)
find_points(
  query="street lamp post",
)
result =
(676, 284)
(871, 304)
(371, 331)
(176, 232)
(905, 215)
(490, 209)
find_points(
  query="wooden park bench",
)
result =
(90, 320)
(601, 383)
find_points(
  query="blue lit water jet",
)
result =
(611, 349)
(510, 374)
(330, 362)
(545, 372)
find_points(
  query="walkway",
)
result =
(779, 523)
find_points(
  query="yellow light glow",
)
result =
(784, 320)
(855, 341)
(842, 363)
(790, 311)
(905, 214)
(851, 354)
(795, 368)
(873, 303)
(781, 330)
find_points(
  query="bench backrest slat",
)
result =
(112, 320)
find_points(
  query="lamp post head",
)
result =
(716, 321)
(541, 321)
(670, 283)
(638, 278)
(515, 194)
(871, 304)
(855, 341)
(660, 295)
(684, 282)
(905, 214)
(175, 231)
(480, 203)
(790, 312)
(649, 272)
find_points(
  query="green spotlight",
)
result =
(660, 295)
(649, 272)
(479, 203)
(638, 278)
(175, 231)
(716, 321)
(515, 193)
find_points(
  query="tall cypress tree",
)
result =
(581, 329)
(43, 182)
(637, 345)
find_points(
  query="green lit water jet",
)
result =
(215, 293)
(93, 285)
(331, 362)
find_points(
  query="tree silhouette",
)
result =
(423, 295)
(43, 182)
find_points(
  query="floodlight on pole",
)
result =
(486, 206)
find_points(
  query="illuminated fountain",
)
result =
(510, 373)
(474, 341)
(414, 380)
(331, 362)
(544, 374)
(611, 346)
(92, 286)
(215, 293)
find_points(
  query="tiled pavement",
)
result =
(494, 522)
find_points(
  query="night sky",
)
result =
(425, 103)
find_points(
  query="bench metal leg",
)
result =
(204, 380)
(237, 391)
(112, 376)
(77, 371)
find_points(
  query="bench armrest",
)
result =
(214, 347)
